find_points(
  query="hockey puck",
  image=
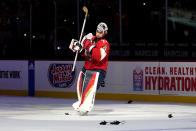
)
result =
(170, 116)
(103, 123)
(130, 101)
(66, 113)
(115, 123)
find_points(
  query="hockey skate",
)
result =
(82, 113)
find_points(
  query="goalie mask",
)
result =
(102, 27)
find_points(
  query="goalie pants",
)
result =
(102, 75)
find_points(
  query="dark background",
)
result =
(138, 29)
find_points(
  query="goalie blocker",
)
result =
(88, 83)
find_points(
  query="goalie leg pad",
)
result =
(86, 90)
(80, 83)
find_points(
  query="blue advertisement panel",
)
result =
(31, 77)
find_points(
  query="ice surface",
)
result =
(48, 114)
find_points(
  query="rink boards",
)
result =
(167, 81)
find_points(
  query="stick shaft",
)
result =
(82, 30)
(74, 64)
(76, 56)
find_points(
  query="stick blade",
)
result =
(85, 9)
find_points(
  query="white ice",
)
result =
(48, 114)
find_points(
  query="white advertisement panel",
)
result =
(150, 77)
(179, 78)
(165, 78)
(127, 78)
(13, 75)
(56, 75)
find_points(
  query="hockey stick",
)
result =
(76, 56)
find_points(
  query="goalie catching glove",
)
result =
(75, 45)
(86, 43)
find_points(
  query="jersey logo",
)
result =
(105, 47)
(88, 55)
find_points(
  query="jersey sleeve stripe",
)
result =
(103, 53)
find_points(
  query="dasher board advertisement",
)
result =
(13, 75)
(56, 75)
(166, 78)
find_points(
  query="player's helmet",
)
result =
(102, 27)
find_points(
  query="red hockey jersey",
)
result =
(98, 58)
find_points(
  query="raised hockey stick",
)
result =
(76, 56)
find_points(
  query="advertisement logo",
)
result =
(10, 74)
(61, 75)
(138, 79)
